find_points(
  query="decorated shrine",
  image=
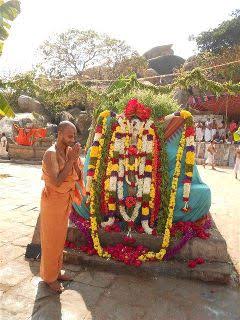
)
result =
(141, 177)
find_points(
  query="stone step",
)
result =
(220, 272)
(213, 249)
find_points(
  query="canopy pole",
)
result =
(226, 114)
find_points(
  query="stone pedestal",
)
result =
(217, 268)
(29, 153)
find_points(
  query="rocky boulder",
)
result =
(28, 104)
(166, 64)
(66, 116)
(83, 123)
(159, 51)
(75, 112)
(152, 73)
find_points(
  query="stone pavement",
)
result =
(100, 295)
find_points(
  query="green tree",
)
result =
(8, 12)
(126, 66)
(226, 35)
(224, 73)
(74, 51)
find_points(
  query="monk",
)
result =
(62, 174)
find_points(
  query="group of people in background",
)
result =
(211, 130)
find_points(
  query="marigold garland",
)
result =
(190, 157)
(166, 237)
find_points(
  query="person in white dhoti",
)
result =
(199, 132)
(210, 155)
(222, 131)
(214, 129)
(237, 162)
(3, 145)
(208, 131)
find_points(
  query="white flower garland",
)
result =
(145, 147)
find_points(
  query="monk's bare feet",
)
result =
(64, 277)
(56, 286)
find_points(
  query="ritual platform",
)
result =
(217, 266)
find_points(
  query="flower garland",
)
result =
(82, 226)
(92, 193)
(163, 188)
(166, 237)
(141, 168)
(156, 196)
(129, 254)
(123, 165)
(190, 230)
(111, 176)
(140, 161)
(190, 157)
(148, 184)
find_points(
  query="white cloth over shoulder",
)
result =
(208, 135)
(199, 134)
(237, 166)
(210, 158)
(3, 146)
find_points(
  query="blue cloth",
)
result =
(200, 196)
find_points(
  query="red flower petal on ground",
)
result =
(200, 260)
(192, 263)
(129, 240)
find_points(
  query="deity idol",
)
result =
(140, 170)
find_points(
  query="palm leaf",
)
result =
(5, 109)
(10, 10)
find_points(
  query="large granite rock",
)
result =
(66, 116)
(159, 51)
(83, 123)
(28, 104)
(152, 73)
(166, 64)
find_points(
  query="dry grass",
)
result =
(2, 176)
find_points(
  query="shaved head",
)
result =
(67, 133)
(66, 124)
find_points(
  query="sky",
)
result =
(142, 24)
